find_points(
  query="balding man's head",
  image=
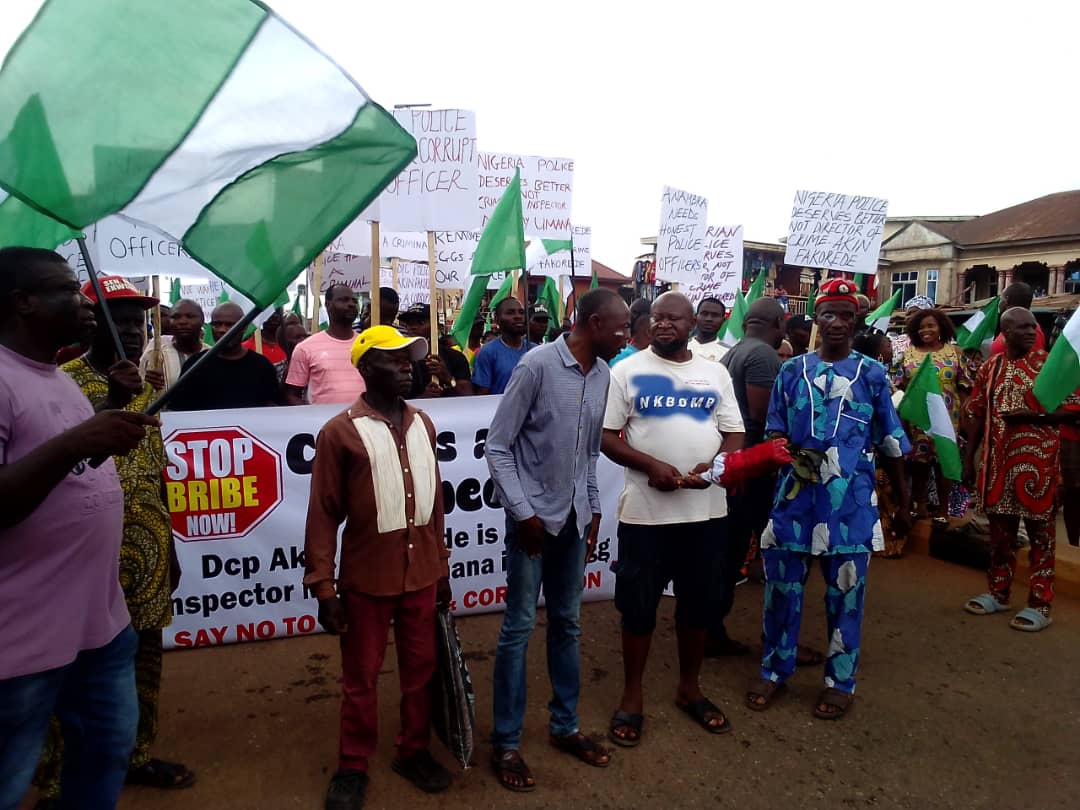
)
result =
(765, 321)
(1019, 328)
(1017, 294)
(672, 318)
(224, 317)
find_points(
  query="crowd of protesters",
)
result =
(785, 444)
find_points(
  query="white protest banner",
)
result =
(237, 484)
(836, 231)
(722, 270)
(546, 191)
(680, 243)
(438, 190)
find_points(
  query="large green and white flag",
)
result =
(21, 225)
(980, 326)
(212, 121)
(880, 317)
(924, 406)
(1060, 375)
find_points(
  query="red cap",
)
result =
(118, 289)
(837, 289)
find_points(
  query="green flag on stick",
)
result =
(1060, 375)
(502, 244)
(174, 292)
(470, 310)
(880, 317)
(924, 406)
(733, 327)
(980, 326)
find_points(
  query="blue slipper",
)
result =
(984, 604)
(1037, 620)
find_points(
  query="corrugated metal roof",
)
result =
(1055, 215)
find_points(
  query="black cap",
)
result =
(539, 311)
(800, 322)
(417, 312)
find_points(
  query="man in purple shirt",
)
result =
(68, 647)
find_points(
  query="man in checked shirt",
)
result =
(542, 450)
(375, 470)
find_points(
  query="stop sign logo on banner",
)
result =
(220, 482)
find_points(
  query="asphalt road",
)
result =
(953, 711)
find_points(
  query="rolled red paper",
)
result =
(761, 459)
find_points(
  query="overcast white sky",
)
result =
(945, 107)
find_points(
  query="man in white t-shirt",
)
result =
(706, 342)
(668, 410)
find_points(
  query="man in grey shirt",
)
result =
(542, 450)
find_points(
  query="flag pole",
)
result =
(154, 363)
(95, 282)
(316, 293)
(573, 278)
(431, 260)
(375, 302)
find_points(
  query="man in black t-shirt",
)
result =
(233, 378)
(443, 375)
(753, 365)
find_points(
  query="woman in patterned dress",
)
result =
(930, 332)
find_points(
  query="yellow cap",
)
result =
(387, 339)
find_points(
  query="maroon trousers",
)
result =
(362, 652)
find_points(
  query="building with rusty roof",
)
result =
(962, 259)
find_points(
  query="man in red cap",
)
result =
(834, 408)
(148, 566)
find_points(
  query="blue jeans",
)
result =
(560, 569)
(94, 698)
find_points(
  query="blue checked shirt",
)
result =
(544, 441)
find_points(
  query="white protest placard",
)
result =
(721, 273)
(119, 247)
(558, 264)
(412, 247)
(453, 258)
(546, 191)
(680, 243)
(342, 268)
(206, 294)
(438, 190)
(413, 285)
(836, 231)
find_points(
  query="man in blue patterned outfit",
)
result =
(834, 408)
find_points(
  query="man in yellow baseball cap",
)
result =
(375, 469)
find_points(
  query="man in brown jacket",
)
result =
(375, 470)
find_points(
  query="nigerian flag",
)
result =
(1060, 375)
(502, 244)
(21, 225)
(540, 249)
(979, 327)
(732, 329)
(880, 317)
(174, 292)
(211, 121)
(924, 406)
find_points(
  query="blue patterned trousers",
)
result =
(785, 577)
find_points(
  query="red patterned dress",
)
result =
(1018, 464)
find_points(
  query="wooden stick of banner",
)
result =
(316, 293)
(515, 275)
(432, 297)
(562, 298)
(376, 276)
(394, 272)
(258, 339)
